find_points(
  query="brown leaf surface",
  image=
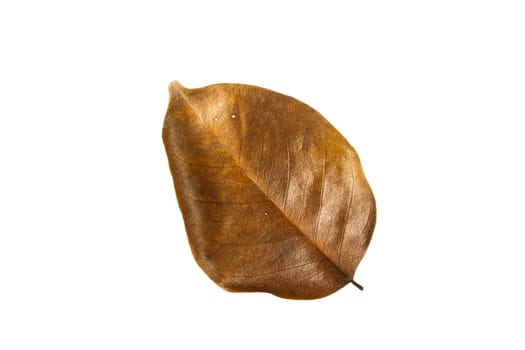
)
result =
(273, 198)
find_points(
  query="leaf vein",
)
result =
(222, 202)
(198, 164)
(321, 194)
(276, 271)
(227, 244)
(343, 233)
(288, 162)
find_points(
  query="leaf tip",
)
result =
(175, 88)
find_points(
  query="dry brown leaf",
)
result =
(273, 197)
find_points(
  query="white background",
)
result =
(93, 253)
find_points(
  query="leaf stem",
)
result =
(360, 287)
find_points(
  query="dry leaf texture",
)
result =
(273, 197)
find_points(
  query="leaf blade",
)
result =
(289, 166)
